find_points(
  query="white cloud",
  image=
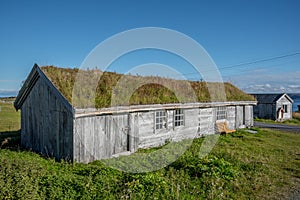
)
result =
(268, 85)
(7, 93)
(254, 82)
(294, 86)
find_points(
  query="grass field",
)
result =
(243, 165)
(9, 117)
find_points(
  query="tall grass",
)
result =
(296, 115)
(241, 166)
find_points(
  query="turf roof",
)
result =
(146, 90)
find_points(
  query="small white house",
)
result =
(273, 106)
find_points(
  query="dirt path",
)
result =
(283, 127)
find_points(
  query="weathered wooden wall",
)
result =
(231, 117)
(206, 121)
(198, 122)
(149, 136)
(248, 114)
(100, 137)
(46, 125)
(240, 117)
(265, 111)
(104, 136)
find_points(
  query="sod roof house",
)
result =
(53, 126)
(273, 106)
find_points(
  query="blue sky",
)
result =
(233, 32)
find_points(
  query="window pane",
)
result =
(178, 117)
(160, 119)
(221, 113)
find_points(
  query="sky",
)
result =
(255, 44)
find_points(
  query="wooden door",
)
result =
(120, 133)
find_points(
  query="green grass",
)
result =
(242, 165)
(294, 121)
(9, 117)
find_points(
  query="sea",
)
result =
(296, 98)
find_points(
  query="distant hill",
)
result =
(7, 99)
(152, 93)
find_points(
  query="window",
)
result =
(178, 117)
(221, 113)
(285, 108)
(160, 119)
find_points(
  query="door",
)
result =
(119, 133)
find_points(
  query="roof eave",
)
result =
(87, 112)
(32, 78)
(288, 97)
(26, 88)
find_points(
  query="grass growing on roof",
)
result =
(149, 93)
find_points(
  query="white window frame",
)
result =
(160, 119)
(178, 117)
(221, 113)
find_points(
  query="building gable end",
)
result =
(287, 97)
(31, 80)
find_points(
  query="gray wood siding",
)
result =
(206, 121)
(104, 136)
(198, 122)
(248, 114)
(133, 131)
(108, 135)
(231, 117)
(100, 137)
(46, 125)
(265, 111)
(148, 135)
(240, 117)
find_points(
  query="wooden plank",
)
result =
(154, 107)
(239, 117)
(133, 123)
(206, 119)
(231, 117)
(108, 152)
(248, 116)
(45, 126)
